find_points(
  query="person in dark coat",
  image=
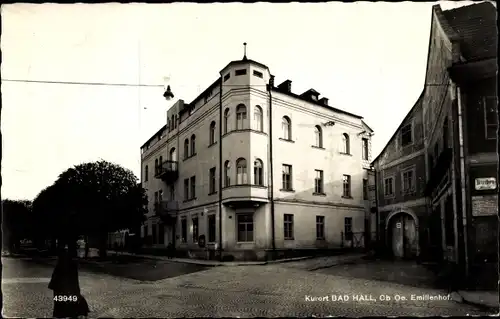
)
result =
(68, 301)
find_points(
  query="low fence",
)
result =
(365, 240)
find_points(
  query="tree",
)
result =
(97, 198)
(17, 223)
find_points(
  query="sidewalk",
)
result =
(483, 299)
(210, 263)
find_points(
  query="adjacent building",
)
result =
(251, 169)
(448, 142)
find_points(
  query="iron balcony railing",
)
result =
(167, 170)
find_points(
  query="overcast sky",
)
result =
(367, 58)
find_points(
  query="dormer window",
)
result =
(258, 74)
(240, 72)
(226, 77)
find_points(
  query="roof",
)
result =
(417, 103)
(244, 60)
(154, 135)
(476, 27)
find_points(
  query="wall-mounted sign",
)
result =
(485, 183)
(485, 205)
(398, 225)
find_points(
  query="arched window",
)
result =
(160, 162)
(258, 173)
(345, 144)
(156, 166)
(318, 136)
(146, 173)
(241, 116)
(172, 122)
(186, 148)
(212, 133)
(193, 145)
(445, 134)
(173, 154)
(226, 121)
(286, 127)
(258, 119)
(241, 171)
(227, 173)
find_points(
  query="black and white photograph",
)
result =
(185, 160)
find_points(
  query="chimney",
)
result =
(324, 101)
(271, 81)
(286, 86)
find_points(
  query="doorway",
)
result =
(403, 236)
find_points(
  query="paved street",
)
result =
(244, 291)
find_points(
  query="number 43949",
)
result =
(65, 298)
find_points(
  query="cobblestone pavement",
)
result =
(246, 291)
(402, 272)
(324, 262)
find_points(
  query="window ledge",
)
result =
(289, 238)
(319, 194)
(245, 242)
(287, 190)
(321, 239)
(346, 154)
(214, 143)
(389, 196)
(189, 200)
(212, 193)
(318, 147)
(285, 140)
(190, 156)
(347, 197)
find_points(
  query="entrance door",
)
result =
(397, 236)
(404, 236)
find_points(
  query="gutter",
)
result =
(271, 168)
(377, 232)
(220, 167)
(177, 153)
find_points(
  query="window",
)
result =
(193, 187)
(445, 134)
(154, 235)
(173, 155)
(212, 181)
(490, 117)
(258, 119)
(186, 148)
(156, 197)
(172, 123)
(245, 227)
(211, 228)
(172, 192)
(287, 177)
(160, 162)
(365, 189)
(406, 135)
(389, 186)
(186, 189)
(257, 74)
(318, 182)
(241, 116)
(156, 166)
(212, 133)
(161, 234)
(348, 228)
(160, 195)
(318, 135)
(146, 173)
(227, 174)
(241, 171)
(257, 173)
(226, 77)
(195, 229)
(364, 142)
(320, 227)
(345, 144)
(286, 128)
(193, 145)
(408, 182)
(346, 182)
(240, 72)
(226, 121)
(183, 230)
(288, 226)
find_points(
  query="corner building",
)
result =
(267, 173)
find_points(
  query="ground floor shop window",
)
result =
(245, 227)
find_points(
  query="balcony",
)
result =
(166, 210)
(439, 171)
(168, 171)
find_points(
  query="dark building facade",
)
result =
(457, 157)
